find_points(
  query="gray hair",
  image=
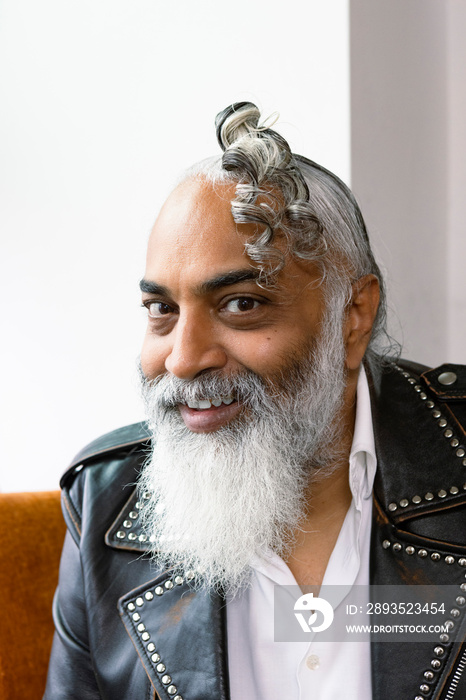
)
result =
(287, 194)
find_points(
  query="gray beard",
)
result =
(220, 499)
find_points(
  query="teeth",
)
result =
(203, 404)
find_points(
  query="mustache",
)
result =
(244, 386)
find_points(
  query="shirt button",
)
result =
(313, 662)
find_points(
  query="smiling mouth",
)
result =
(208, 415)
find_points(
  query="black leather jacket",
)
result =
(125, 631)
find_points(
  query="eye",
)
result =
(241, 305)
(156, 309)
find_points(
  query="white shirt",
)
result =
(262, 669)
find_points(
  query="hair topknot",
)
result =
(235, 121)
(249, 147)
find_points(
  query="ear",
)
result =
(360, 317)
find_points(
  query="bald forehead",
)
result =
(196, 218)
(199, 201)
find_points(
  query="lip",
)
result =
(209, 419)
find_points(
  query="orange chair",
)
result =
(31, 537)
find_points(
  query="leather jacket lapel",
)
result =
(419, 477)
(180, 636)
(411, 464)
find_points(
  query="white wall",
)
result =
(456, 84)
(408, 97)
(400, 160)
(103, 103)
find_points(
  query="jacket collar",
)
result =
(179, 634)
(178, 630)
(408, 481)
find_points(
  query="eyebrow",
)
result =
(230, 278)
(153, 288)
(226, 280)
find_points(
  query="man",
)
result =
(280, 449)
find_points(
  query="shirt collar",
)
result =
(363, 459)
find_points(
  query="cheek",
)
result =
(152, 360)
(258, 352)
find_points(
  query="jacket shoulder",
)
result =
(419, 421)
(447, 382)
(108, 465)
(121, 439)
(117, 439)
(442, 391)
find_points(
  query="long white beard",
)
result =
(219, 499)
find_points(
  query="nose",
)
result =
(195, 348)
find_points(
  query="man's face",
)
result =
(246, 403)
(206, 311)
